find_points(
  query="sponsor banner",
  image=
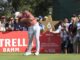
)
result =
(17, 41)
(50, 43)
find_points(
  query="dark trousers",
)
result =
(67, 44)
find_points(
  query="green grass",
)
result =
(19, 56)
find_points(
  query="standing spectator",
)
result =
(72, 18)
(63, 30)
(60, 26)
(40, 24)
(72, 33)
(66, 22)
(77, 41)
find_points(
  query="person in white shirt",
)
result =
(66, 22)
(77, 41)
(78, 27)
(2, 28)
(63, 30)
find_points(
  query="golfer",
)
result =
(33, 29)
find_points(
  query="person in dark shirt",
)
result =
(12, 21)
(17, 26)
(72, 33)
(9, 26)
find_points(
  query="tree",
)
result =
(36, 7)
(43, 7)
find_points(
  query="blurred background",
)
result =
(58, 8)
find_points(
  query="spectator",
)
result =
(45, 18)
(25, 28)
(77, 41)
(12, 21)
(41, 25)
(17, 26)
(40, 18)
(60, 26)
(2, 28)
(63, 30)
(9, 26)
(66, 22)
(4, 20)
(72, 33)
(72, 18)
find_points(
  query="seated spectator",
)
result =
(17, 26)
(9, 26)
(3, 20)
(2, 28)
(12, 21)
(25, 28)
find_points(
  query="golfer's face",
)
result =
(20, 15)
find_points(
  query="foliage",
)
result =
(36, 7)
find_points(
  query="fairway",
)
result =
(19, 56)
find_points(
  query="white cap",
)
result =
(16, 14)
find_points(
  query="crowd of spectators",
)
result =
(10, 24)
(70, 33)
(13, 24)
